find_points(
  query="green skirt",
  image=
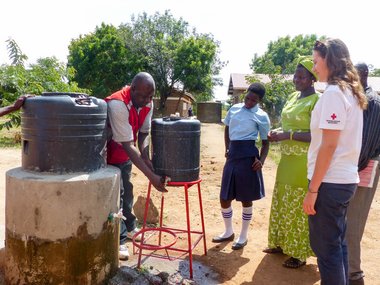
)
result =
(288, 224)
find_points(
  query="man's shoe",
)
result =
(223, 239)
(238, 245)
(123, 252)
(132, 233)
(359, 281)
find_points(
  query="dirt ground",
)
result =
(247, 266)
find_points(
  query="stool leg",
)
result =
(202, 218)
(189, 231)
(144, 222)
(161, 215)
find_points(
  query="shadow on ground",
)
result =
(271, 271)
(224, 262)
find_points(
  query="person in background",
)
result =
(288, 225)
(360, 204)
(242, 177)
(129, 112)
(15, 106)
(190, 112)
(336, 138)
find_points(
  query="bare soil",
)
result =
(249, 265)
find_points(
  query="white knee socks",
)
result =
(227, 218)
(246, 220)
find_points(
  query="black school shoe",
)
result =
(222, 239)
(237, 245)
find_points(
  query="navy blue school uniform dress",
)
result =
(239, 181)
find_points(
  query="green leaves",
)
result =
(15, 54)
(279, 62)
(159, 44)
(47, 75)
(174, 55)
(99, 60)
(282, 54)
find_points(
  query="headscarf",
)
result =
(307, 62)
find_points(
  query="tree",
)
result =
(47, 75)
(175, 56)
(278, 62)
(100, 61)
(196, 64)
(277, 91)
(375, 72)
(159, 44)
(282, 54)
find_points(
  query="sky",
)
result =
(44, 28)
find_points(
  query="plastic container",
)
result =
(63, 132)
(176, 148)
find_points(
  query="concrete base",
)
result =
(57, 227)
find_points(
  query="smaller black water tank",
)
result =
(209, 112)
(63, 132)
(176, 148)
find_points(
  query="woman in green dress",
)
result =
(288, 225)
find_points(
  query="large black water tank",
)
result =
(63, 132)
(176, 148)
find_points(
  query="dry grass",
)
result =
(10, 138)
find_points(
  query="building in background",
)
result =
(177, 102)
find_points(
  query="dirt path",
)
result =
(250, 265)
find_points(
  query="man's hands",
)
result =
(15, 106)
(155, 179)
(19, 102)
(156, 182)
(148, 163)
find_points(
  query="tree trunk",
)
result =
(164, 96)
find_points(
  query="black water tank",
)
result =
(63, 132)
(209, 112)
(176, 148)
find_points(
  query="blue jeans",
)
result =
(126, 200)
(327, 232)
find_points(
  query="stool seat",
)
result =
(171, 246)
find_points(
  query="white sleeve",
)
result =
(118, 115)
(227, 119)
(145, 128)
(264, 127)
(334, 111)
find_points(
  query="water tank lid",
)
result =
(71, 94)
(79, 98)
(171, 118)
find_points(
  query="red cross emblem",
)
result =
(333, 116)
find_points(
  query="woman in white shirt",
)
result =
(336, 136)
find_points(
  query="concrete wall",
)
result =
(58, 229)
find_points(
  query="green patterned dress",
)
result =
(288, 224)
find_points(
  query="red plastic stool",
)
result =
(143, 245)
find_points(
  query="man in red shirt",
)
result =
(130, 112)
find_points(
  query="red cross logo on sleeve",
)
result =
(333, 116)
